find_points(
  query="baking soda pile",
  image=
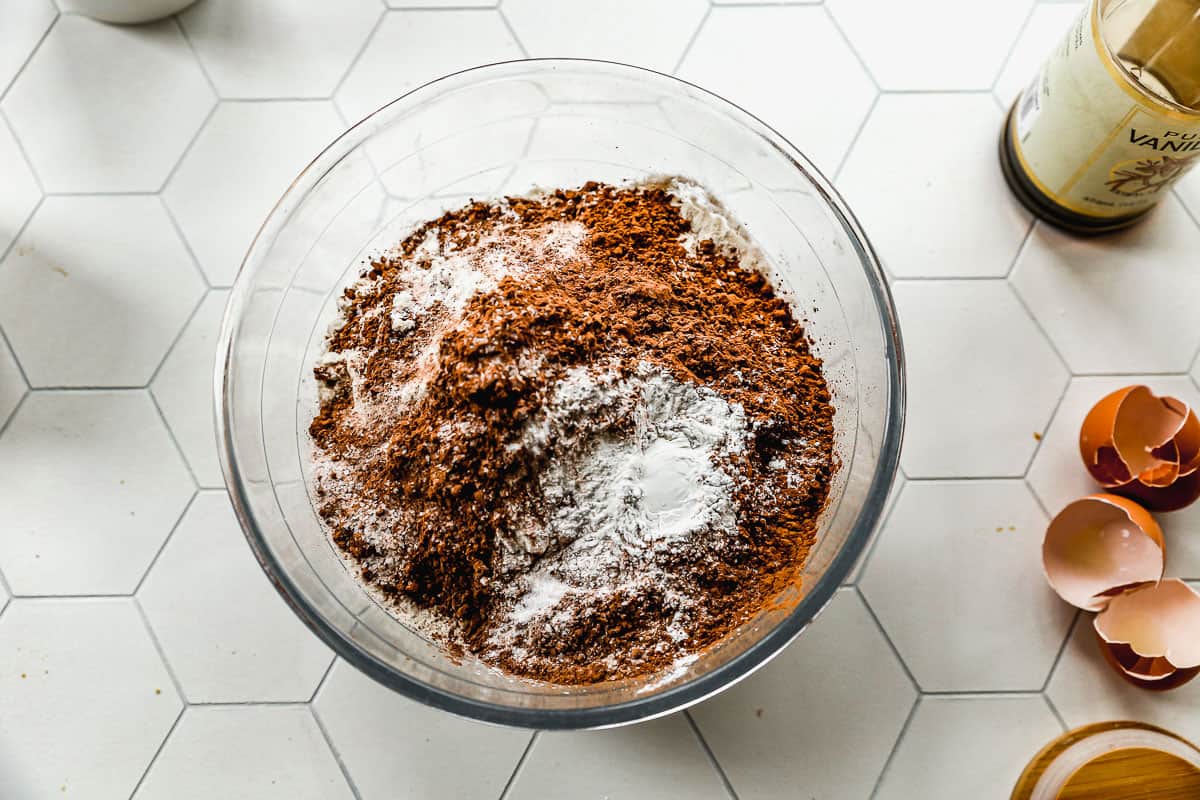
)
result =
(574, 435)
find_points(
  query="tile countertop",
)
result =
(135, 166)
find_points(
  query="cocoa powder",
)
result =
(443, 485)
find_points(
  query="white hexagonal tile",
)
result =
(1120, 304)
(1048, 25)
(974, 547)
(95, 291)
(183, 389)
(240, 165)
(967, 747)
(278, 48)
(981, 379)
(21, 192)
(409, 49)
(893, 495)
(1085, 689)
(240, 644)
(818, 116)
(958, 220)
(119, 124)
(90, 485)
(12, 383)
(644, 34)
(423, 754)
(932, 44)
(263, 752)
(84, 698)
(1057, 474)
(820, 719)
(23, 23)
(662, 758)
(1188, 190)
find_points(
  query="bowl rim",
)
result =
(674, 698)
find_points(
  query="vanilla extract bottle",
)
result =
(1112, 119)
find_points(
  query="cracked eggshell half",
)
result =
(1151, 634)
(1137, 444)
(1099, 546)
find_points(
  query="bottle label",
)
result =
(1091, 141)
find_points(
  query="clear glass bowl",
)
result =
(503, 129)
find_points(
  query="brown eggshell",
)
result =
(1156, 621)
(1117, 654)
(1098, 546)
(1142, 446)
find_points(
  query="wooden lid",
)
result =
(1113, 761)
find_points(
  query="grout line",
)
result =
(196, 55)
(166, 540)
(61, 596)
(712, 758)
(1062, 649)
(1041, 437)
(981, 693)
(1012, 48)
(12, 245)
(1033, 491)
(12, 351)
(312, 698)
(912, 713)
(879, 625)
(764, 3)
(850, 46)
(188, 148)
(1054, 710)
(317, 98)
(337, 756)
(4, 585)
(114, 388)
(161, 746)
(162, 654)
(176, 338)
(187, 245)
(932, 278)
(511, 30)
(687, 48)
(494, 5)
(241, 703)
(1022, 247)
(1038, 324)
(1186, 209)
(32, 52)
(37, 179)
(512, 778)
(174, 440)
(105, 193)
(1124, 373)
(370, 37)
(884, 522)
(983, 92)
(962, 478)
(862, 126)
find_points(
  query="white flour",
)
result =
(615, 498)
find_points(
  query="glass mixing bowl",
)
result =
(503, 129)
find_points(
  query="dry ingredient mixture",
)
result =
(573, 434)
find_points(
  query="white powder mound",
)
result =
(661, 487)
(710, 220)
